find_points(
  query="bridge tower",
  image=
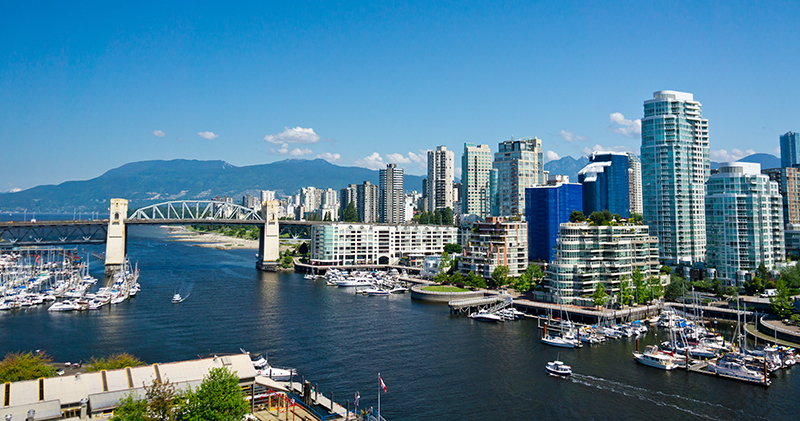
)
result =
(116, 239)
(268, 241)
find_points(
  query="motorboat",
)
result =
(735, 369)
(560, 341)
(262, 367)
(485, 316)
(558, 368)
(376, 291)
(176, 298)
(655, 358)
(64, 306)
(354, 282)
(398, 290)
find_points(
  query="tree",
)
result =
(500, 276)
(303, 249)
(599, 295)
(162, 401)
(534, 272)
(445, 262)
(639, 290)
(287, 261)
(350, 214)
(675, 288)
(475, 280)
(636, 218)
(437, 217)
(327, 217)
(666, 270)
(625, 292)
(454, 266)
(656, 289)
(17, 366)
(453, 248)
(522, 283)
(577, 216)
(219, 398)
(423, 218)
(441, 277)
(113, 362)
(762, 272)
(447, 216)
(131, 408)
(781, 304)
(456, 278)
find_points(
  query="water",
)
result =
(435, 365)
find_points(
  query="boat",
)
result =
(558, 368)
(735, 369)
(262, 367)
(354, 282)
(398, 290)
(485, 316)
(655, 358)
(560, 341)
(176, 298)
(63, 306)
(375, 291)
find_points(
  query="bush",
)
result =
(113, 362)
(18, 366)
(460, 285)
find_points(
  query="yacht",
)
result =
(558, 368)
(655, 358)
(561, 341)
(176, 298)
(354, 282)
(376, 291)
(485, 316)
(735, 369)
(63, 306)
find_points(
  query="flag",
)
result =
(383, 385)
(357, 397)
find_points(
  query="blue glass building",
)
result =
(606, 183)
(546, 207)
(790, 149)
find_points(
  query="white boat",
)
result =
(176, 298)
(398, 290)
(558, 368)
(309, 276)
(485, 316)
(354, 282)
(376, 291)
(63, 306)
(655, 358)
(735, 369)
(560, 341)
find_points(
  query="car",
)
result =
(60, 371)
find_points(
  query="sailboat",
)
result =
(567, 339)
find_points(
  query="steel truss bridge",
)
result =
(188, 212)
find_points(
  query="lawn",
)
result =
(443, 288)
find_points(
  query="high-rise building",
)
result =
(788, 180)
(547, 207)
(267, 195)
(495, 242)
(520, 165)
(675, 167)
(348, 195)
(744, 212)
(367, 202)
(790, 149)
(635, 184)
(607, 183)
(476, 164)
(392, 195)
(440, 179)
(309, 198)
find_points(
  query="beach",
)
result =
(209, 239)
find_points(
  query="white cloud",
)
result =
(159, 133)
(293, 135)
(457, 172)
(722, 155)
(330, 157)
(207, 135)
(550, 156)
(14, 190)
(373, 162)
(777, 151)
(619, 148)
(625, 127)
(571, 137)
(397, 158)
(300, 152)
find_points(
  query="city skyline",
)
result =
(87, 89)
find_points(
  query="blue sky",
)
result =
(86, 87)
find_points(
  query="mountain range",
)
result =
(149, 182)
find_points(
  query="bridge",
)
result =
(113, 231)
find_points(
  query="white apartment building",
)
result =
(587, 255)
(441, 175)
(744, 220)
(355, 243)
(675, 168)
(519, 164)
(495, 242)
(476, 163)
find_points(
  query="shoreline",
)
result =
(209, 239)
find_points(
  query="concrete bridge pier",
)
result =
(116, 239)
(268, 241)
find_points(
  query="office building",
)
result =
(367, 196)
(788, 180)
(392, 207)
(520, 165)
(790, 149)
(675, 167)
(547, 207)
(492, 243)
(587, 255)
(476, 165)
(744, 212)
(441, 175)
(607, 183)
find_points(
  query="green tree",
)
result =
(500, 276)
(219, 398)
(162, 401)
(303, 249)
(762, 272)
(18, 366)
(424, 219)
(781, 304)
(639, 290)
(287, 261)
(577, 216)
(666, 270)
(437, 217)
(113, 362)
(636, 218)
(625, 292)
(453, 248)
(475, 280)
(599, 295)
(447, 216)
(656, 289)
(675, 288)
(441, 277)
(456, 278)
(327, 217)
(350, 214)
(522, 283)
(445, 262)
(535, 273)
(131, 408)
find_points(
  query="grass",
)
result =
(443, 288)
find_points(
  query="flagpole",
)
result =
(379, 396)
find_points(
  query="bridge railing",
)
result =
(195, 209)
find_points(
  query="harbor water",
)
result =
(435, 365)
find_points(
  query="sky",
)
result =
(87, 87)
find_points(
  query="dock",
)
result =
(474, 304)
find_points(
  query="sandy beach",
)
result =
(209, 239)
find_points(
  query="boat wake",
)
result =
(694, 407)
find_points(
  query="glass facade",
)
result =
(476, 164)
(606, 183)
(546, 207)
(790, 149)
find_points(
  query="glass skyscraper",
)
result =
(790, 149)
(546, 207)
(607, 183)
(675, 167)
